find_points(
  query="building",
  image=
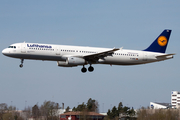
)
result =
(61, 111)
(175, 99)
(78, 115)
(155, 105)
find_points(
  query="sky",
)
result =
(102, 23)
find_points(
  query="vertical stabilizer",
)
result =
(161, 42)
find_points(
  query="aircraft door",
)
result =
(23, 48)
(58, 50)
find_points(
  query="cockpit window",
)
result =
(12, 47)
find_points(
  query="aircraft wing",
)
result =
(100, 55)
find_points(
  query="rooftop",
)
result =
(79, 113)
(164, 104)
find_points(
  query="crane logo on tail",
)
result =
(162, 40)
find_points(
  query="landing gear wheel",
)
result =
(83, 70)
(90, 69)
(21, 65)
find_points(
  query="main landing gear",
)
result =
(21, 65)
(90, 69)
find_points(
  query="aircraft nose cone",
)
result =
(4, 52)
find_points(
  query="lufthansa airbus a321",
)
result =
(71, 56)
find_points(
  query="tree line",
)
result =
(9, 112)
(49, 111)
(158, 114)
(90, 106)
(113, 114)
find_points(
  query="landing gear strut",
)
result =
(21, 65)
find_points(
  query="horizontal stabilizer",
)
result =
(164, 55)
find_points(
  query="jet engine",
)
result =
(71, 62)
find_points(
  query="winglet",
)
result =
(114, 49)
(161, 42)
(121, 48)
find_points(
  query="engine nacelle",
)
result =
(63, 64)
(75, 61)
(71, 62)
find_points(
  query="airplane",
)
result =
(72, 56)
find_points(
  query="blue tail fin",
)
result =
(161, 42)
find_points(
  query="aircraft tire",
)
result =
(83, 70)
(90, 69)
(21, 65)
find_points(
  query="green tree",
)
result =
(114, 113)
(92, 105)
(109, 114)
(67, 109)
(74, 109)
(81, 107)
(131, 112)
(125, 110)
(120, 107)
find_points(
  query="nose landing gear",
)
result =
(21, 65)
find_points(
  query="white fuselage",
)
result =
(52, 52)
